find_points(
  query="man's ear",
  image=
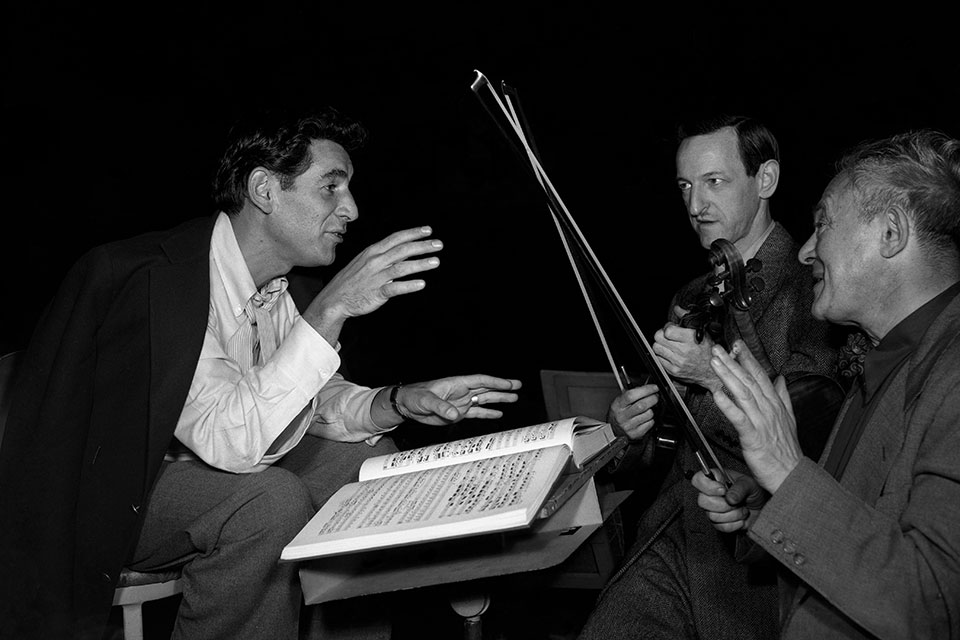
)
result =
(894, 231)
(260, 185)
(768, 176)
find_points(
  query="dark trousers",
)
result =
(229, 530)
(650, 600)
(685, 585)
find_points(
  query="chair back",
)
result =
(578, 393)
(9, 365)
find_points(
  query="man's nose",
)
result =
(808, 252)
(348, 207)
(695, 203)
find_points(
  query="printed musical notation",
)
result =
(452, 491)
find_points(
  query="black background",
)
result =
(115, 114)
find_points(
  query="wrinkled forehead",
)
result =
(716, 152)
(839, 195)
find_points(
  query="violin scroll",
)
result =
(730, 269)
(729, 285)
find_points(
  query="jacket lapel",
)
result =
(179, 304)
(772, 254)
(885, 433)
(866, 472)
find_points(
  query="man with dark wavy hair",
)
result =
(868, 539)
(682, 579)
(178, 407)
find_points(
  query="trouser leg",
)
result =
(324, 466)
(650, 601)
(230, 528)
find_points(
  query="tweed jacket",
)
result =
(877, 554)
(796, 345)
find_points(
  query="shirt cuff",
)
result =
(306, 358)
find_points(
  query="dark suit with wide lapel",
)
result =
(103, 384)
(878, 555)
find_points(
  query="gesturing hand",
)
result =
(372, 278)
(449, 400)
(761, 412)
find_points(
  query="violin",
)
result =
(729, 284)
(816, 398)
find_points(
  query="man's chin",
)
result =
(324, 258)
(707, 234)
(706, 239)
(820, 311)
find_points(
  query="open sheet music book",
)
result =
(485, 484)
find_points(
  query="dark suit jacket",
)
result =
(102, 386)
(877, 555)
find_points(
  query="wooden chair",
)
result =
(578, 393)
(133, 588)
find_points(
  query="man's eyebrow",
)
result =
(335, 173)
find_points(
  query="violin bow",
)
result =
(570, 234)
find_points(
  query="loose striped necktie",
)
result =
(257, 338)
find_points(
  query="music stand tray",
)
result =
(547, 543)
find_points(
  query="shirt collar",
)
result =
(237, 281)
(902, 340)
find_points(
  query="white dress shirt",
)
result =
(244, 421)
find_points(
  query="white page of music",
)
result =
(447, 494)
(438, 455)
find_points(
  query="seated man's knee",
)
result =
(280, 502)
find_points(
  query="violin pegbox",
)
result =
(755, 283)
